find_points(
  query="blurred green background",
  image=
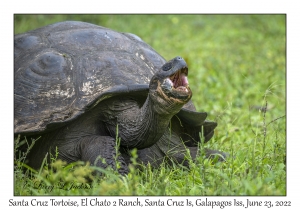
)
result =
(234, 60)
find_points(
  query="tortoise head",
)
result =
(169, 87)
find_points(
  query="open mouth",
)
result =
(179, 80)
(176, 85)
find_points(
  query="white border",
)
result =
(54, 6)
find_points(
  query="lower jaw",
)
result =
(166, 99)
(170, 107)
(182, 95)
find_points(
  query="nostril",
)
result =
(179, 58)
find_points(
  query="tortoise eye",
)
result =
(167, 67)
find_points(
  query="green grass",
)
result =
(236, 67)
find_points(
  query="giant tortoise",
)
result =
(81, 87)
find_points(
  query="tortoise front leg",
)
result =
(101, 151)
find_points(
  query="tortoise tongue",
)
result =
(184, 81)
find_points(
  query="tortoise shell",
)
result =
(64, 69)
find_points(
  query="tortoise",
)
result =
(81, 87)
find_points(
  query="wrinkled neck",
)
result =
(154, 123)
(146, 126)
